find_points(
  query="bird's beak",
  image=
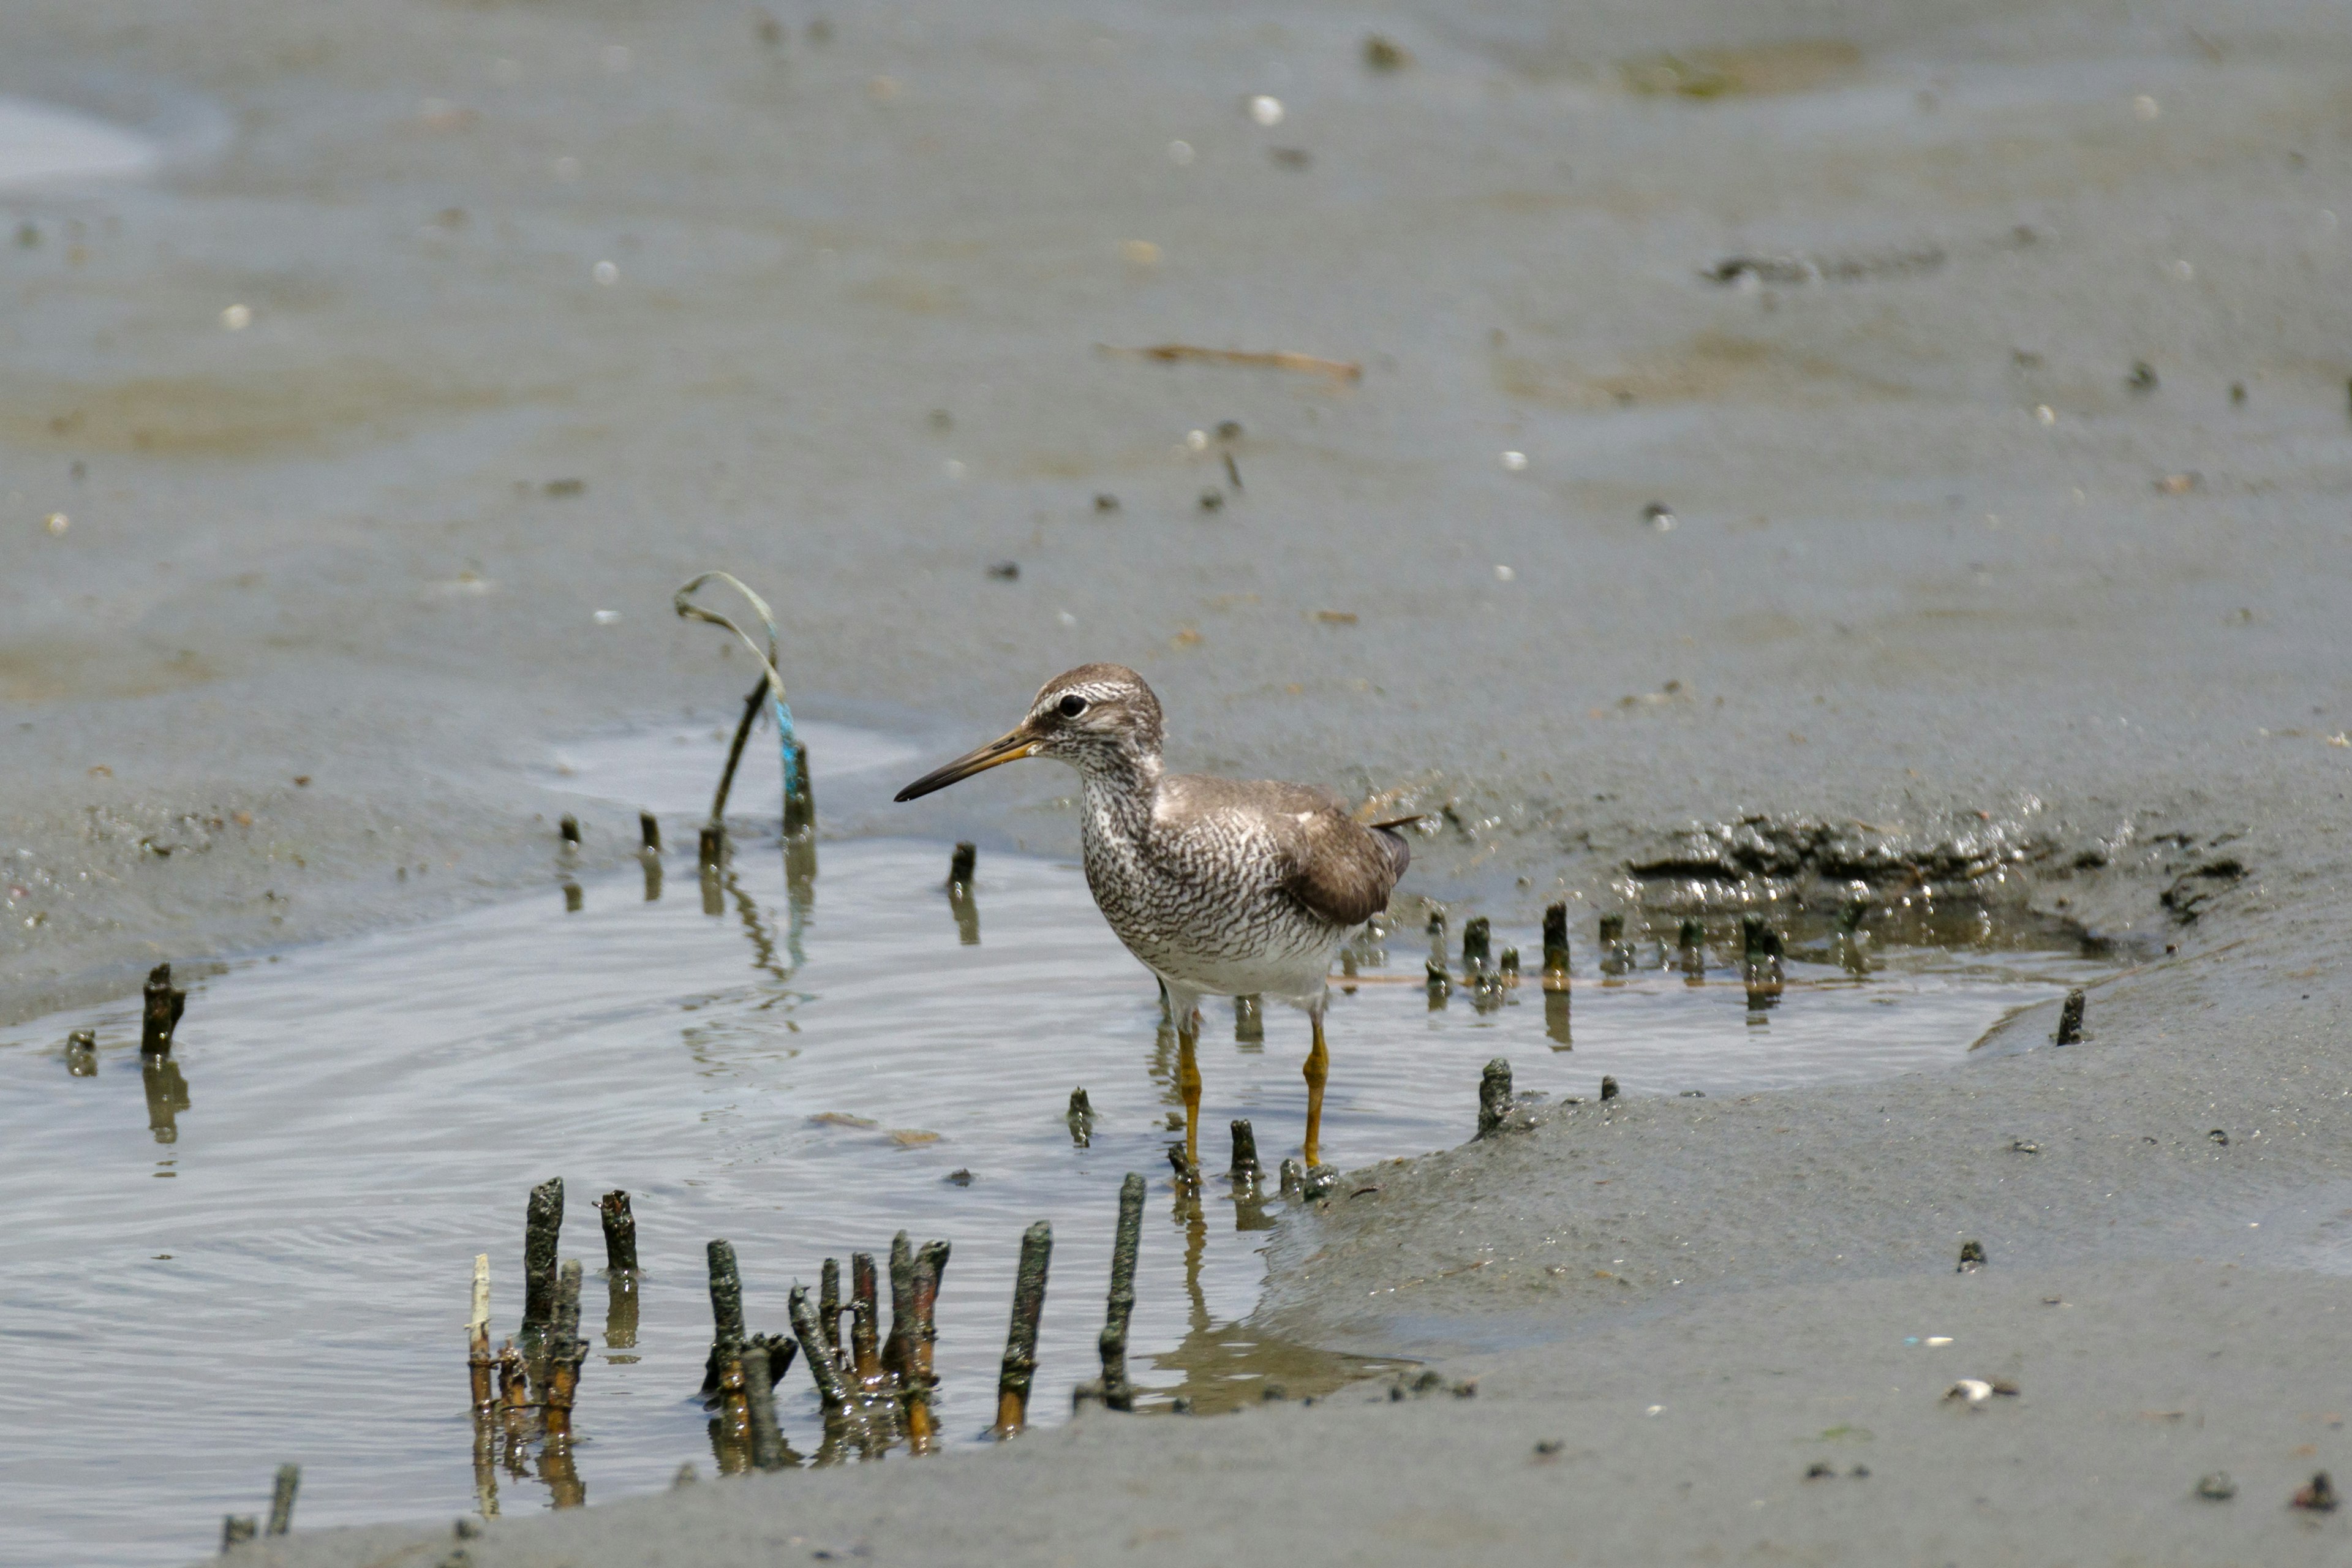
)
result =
(1010, 747)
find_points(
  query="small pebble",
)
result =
(2319, 1497)
(1106, 501)
(1005, 571)
(2217, 1487)
(959, 1178)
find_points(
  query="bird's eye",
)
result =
(1072, 706)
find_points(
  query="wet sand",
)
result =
(1945, 586)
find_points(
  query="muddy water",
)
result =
(260, 1251)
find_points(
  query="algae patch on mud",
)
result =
(251, 414)
(1796, 64)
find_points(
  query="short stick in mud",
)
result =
(1020, 1338)
(828, 1304)
(542, 1226)
(160, 1014)
(1244, 1171)
(726, 1313)
(2070, 1019)
(824, 1367)
(478, 1360)
(281, 1498)
(760, 1401)
(902, 1285)
(865, 1347)
(1493, 1097)
(1117, 1394)
(1555, 948)
(1477, 946)
(619, 1232)
(916, 1386)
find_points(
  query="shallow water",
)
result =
(260, 1252)
(41, 144)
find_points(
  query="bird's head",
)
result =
(1098, 718)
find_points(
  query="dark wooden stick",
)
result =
(649, 832)
(823, 1366)
(760, 1398)
(2070, 1019)
(960, 866)
(1615, 958)
(543, 1227)
(1555, 948)
(1477, 946)
(759, 694)
(236, 1529)
(1117, 1394)
(1245, 1169)
(1691, 940)
(915, 1389)
(619, 1232)
(570, 830)
(281, 1498)
(1249, 1021)
(565, 1326)
(828, 1304)
(1493, 1097)
(564, 1357)
(514, 1387)
(1081, 1118)
(865, 1348)
(902, 1284)
(1020, 1338)
(160, 1014)
(712, 848)
(726, 1314)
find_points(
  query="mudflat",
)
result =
(1790, 448)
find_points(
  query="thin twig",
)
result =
(1276, 359)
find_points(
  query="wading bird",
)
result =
(1222, 887)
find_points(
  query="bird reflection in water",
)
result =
(1220, 1367)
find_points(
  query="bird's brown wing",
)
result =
(1338, 868)
(1344, 870)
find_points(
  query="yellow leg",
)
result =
(1318, 1068)
(1187, 1079)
